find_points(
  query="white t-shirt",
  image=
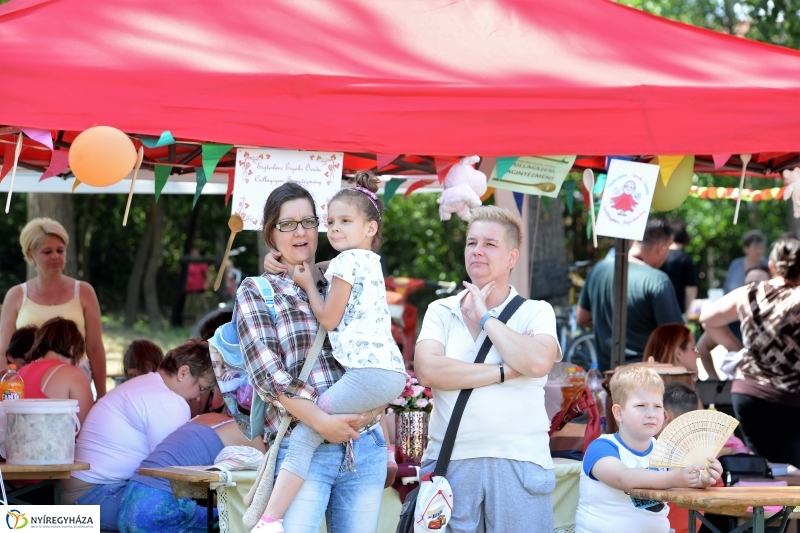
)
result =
(604, 509)
(502, 420)
(363, 339)
(125, 425)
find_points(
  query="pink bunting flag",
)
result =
(229, 192)
(40, 136)
(443, 164)
(720, 160)
(385, 160)
(416, 185)
(59, 162)
(8, 160)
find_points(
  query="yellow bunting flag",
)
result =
(75, 184)
(668, 163)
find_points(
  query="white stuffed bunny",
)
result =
(792, 179)
(463, 188)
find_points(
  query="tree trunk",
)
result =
(549, 272)
(153, 264)
(180, 282)
(59, 208)
(135, 280)
(83, 245)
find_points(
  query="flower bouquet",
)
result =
(411, 411)
(414, 397)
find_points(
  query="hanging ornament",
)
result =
(102, 156)
(668, 197)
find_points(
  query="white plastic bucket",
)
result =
(41, 432)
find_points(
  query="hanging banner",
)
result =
(260, 171)
(626, 200)
(541, 175)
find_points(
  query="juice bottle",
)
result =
(11, 386)
(574, 382)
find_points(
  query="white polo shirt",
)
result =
(502, 420)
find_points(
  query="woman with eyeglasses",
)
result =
(274, 353)
(130, 421)
(672, 344)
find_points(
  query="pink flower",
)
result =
(422, 403)
(399, 402)
(428, 392)
(413, 381)
(418, 390)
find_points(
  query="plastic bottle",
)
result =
(574, 382)
(711, 407)
(11, 386)
(594, 382)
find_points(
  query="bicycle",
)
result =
(577, 343)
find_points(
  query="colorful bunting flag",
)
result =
(165, 139)
(202, 179)
(391, 188)
(162, 175)
(385, 160)
(569, 195)
(546, 202)
(40, 136)
(720, 160)
(416, 185)
(612, 157)
(667, 164)
(519, 197)
(75, 184)
(599, 185)
(212, 153)
(503, 164)
(8, 160)
(59, 161)
(443, 164)
(229, 192)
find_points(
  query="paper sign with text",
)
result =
(260, 171)
(540, 175)
(47, 518)
(626, 199)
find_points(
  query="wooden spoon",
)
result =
(139, 159)
(236, 224)
(745, 159)
(588, 182)
(545, 187)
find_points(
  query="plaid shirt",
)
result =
(274, 353)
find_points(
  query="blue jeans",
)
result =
(109, 498)
(349, 501)
(145, 509)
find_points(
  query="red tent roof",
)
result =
(492, 77)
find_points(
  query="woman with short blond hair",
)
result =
(51, 294)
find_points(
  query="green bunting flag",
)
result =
(503, 164)
(569, 195)
(165, 140)
(201, 182)
(162, 174)
(390, 188)
(212, 153)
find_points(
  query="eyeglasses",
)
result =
(205, 389)
(291, 225)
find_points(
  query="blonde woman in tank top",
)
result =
(52, 294)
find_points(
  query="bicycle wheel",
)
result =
(582, 351)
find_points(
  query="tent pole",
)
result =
(619, 326)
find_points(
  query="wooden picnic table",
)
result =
(730, 501)
(193, 477)
(47, 474)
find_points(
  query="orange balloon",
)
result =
(101, 156)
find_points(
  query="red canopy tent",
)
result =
(492, 77)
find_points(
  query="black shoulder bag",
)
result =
(406, 524)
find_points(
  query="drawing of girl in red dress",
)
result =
(626, 201)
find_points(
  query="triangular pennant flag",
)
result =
(416, 185)
(201, 182)
(546, 202)
(8, 160)
(165, 139)
(503, 164)
(519, 198)
(162, 175)
(620, 157)
(443, 164)
(229, 192)
(668, 163)
(75, 185)
(390, 188)
(59, 161)
(40, 136)
(587, 198)
(569, 195)
(385, 159)
(599, 185)
(212, 153)
(720, 160)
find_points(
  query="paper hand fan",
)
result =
(692, 438)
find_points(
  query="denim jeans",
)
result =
(109, 498)
(349, 501)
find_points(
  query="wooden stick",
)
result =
(745, 159)
(17, 151)
(139, 159)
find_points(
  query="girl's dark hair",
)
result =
(143, 355)
(21, 342)
(192, 353)
(272, 208)
(370, 205)
(60, 336)
(785, 258)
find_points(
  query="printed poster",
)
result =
(260, 171)
(539, 175)
(626, 199)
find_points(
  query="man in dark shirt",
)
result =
(651, 297)
(680, 267)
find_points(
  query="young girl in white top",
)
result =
(356, 315)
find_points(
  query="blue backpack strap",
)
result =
(269, 295)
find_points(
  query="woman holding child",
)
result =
(274, 354)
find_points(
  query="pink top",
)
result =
(32, 375)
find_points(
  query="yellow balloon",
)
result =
(101, 156)
(677, 189)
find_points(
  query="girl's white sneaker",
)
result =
(268, 527)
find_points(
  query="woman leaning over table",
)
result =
(274, 354)
(766, 386)
(130, 421)
(51, 294)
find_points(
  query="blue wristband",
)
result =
(486, 317)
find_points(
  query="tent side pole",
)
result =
(619, 325)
